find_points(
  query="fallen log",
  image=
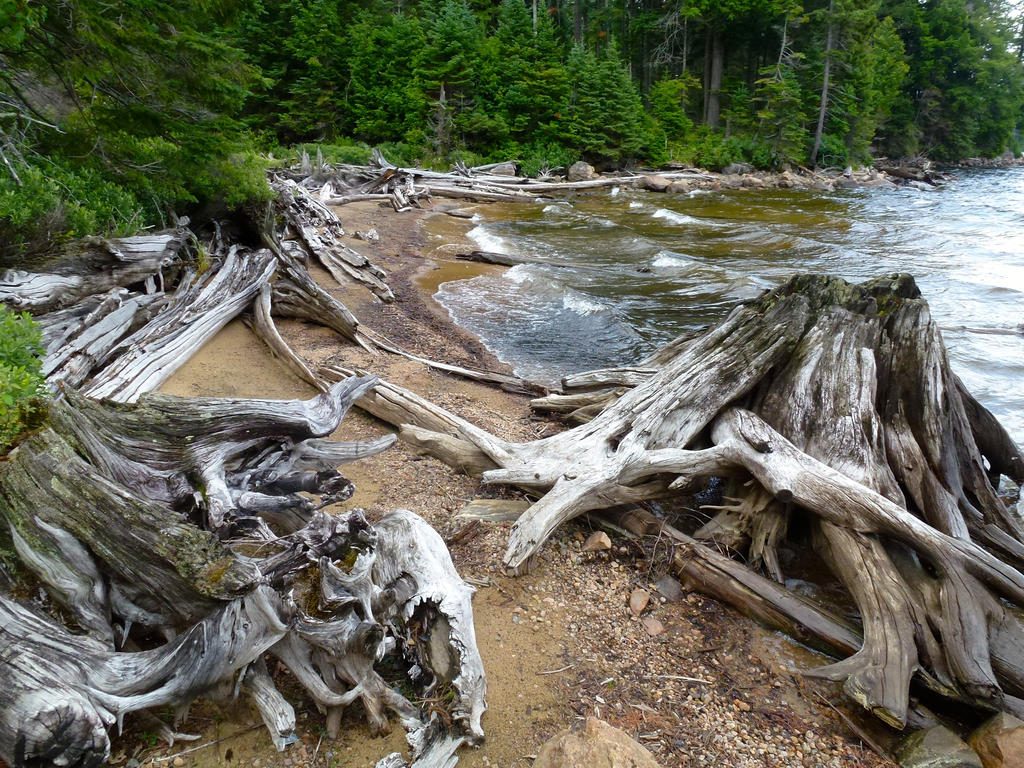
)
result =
(90, 266)
(822, 400)
(199, 308)
(314, 225)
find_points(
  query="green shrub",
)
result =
(21, 377)
(833, 152)
(54, 202)
(536, 157)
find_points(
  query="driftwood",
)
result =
(128, 339)
(182, 516)
(405, 187)
(821, 400)
(200, 520)
(314, 225)
(200, 307)
(93, 266)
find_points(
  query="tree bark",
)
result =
(714, 79)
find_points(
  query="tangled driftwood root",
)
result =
(199, 520)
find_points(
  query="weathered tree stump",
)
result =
(824, 400)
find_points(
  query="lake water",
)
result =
(611, 276)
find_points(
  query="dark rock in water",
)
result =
(844, 182)
(936, 747)
(1000, 741)
(580, 172)
(643, 269)
(679, 187)
(654, 183)
(489, 257)
(737, 169)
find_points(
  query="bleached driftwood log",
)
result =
(200, 307)
(102, 506)
(824, 400)
(92, 266)
(383, 180)
(318, 229)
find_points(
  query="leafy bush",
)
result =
(833, 152)
(21, 377)
(538, 156)
(54, 202)
(707, 149)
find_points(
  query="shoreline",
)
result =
(559, 644)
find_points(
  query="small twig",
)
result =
(681, 677)
(556, 671)
(711, 648)
(167, 758)
(317, 750)
(861, 733)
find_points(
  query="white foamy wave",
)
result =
(581, 305)
(488, 241)
(635, 204)
(697, 192)
(552, 209)
(615, 191)
(673, 217)
(668, 259)
(476, 217)
(519, 274)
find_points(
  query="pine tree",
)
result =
(121, 111)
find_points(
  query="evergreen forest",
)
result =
(115, 116)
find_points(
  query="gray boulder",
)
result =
(504, 169)
(654, 183)
(581, 171)
(737, 169)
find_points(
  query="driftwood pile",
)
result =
(183, 517)
(405, 188)
(185, 539)
(822, 415)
